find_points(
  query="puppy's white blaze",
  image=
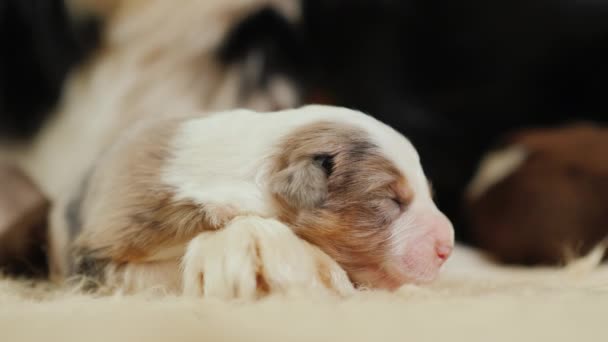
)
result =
(403, 231)
(495, 167)
(414, 239)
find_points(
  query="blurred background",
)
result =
(461, 79)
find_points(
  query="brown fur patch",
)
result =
(23, 223)
(554, 206)
(351, 224)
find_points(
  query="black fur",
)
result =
(276, 41)
(39, 45)
(88, 269)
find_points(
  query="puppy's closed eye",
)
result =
(398, 202)
(401, 196)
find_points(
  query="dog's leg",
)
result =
(249, 258)
(252, 257)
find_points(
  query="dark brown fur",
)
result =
(554, 206)
(23, 222)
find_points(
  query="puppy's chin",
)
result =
(392, 278)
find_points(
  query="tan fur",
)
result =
(352, 223)
(128, 214)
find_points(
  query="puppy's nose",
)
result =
(443, 250)
(444, 237)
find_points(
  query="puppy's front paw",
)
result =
(252, 257)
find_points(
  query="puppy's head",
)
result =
(355, 187)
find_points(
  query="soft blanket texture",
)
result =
(473, 301)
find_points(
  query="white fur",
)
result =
(217, 160)
(494, 168)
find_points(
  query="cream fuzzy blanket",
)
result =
(472, 301)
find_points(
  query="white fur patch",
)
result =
(217, 161)
(495, 167)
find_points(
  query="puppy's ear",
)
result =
(303, 184)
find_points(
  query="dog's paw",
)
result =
(252, 257)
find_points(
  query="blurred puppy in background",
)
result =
(543, 197)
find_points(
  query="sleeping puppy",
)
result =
(542, 198)
(214, 205)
